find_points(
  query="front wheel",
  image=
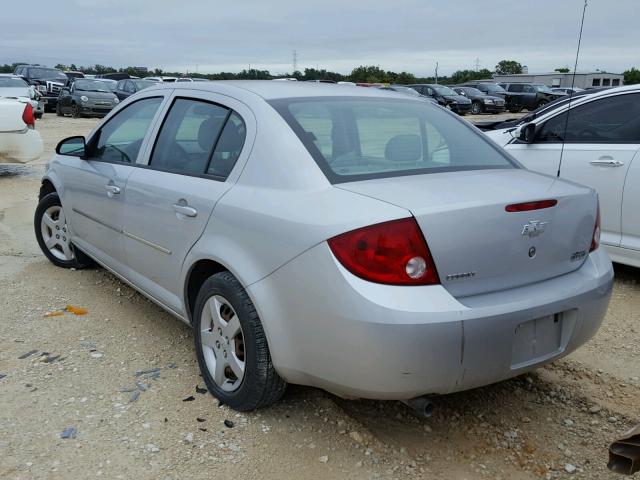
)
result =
(58, 110)
(75, 110)
(53, 236)
(476, 108)
(231, 346)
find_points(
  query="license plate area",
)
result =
(538, 340)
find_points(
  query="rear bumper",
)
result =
(494, 108)
(20, 147)
(330, 329)
(94, 111)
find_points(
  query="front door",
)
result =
(601, 139)
(95, 188)
(169, 203)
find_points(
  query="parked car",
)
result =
(47, 81)
(532, 95)
(125, 88)
(512, 101)
(323, 238)
(600, 149)
(114, 76)
(567, 90)
(73, 75)
(191, 79)
(481, 102)
(161, 79)
(12, 86)
(86, 98)
(444, 96)
(407, 91)
(543, 109)
(19, 140)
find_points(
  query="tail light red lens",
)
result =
(528, 206)
(394, 253)
(27, 115)
(595, 241)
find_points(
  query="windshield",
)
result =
(494, 88)
(10, 82)
(47, 74)
(444, 90)
(91, 85)
(140, 84)
(356, 138)
(542, 88)
(472, 91)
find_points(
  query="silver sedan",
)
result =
(341, 237)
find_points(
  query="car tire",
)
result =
(515, 109)
(541, 103)
(223, 309)
(58, 110)
(53, 237)
(75, 111)
(476, 108)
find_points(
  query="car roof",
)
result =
(270, 90)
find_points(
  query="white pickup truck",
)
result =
(19, 141)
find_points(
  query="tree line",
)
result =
(361, 74)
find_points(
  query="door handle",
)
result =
(606, 161)
(185, 210)
(112, 189)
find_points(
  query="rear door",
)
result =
(631, 213)
(170, 200)
(95, 188)
(602, 138)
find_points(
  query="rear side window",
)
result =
(198, 137)
(356, 138)
(608, 120)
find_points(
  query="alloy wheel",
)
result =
(55, 233)
(222, 342)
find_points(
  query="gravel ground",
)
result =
(125, 377)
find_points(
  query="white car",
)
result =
(601, 150)
(19, 141)
(12, 86)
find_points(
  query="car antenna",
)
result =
(573, 82)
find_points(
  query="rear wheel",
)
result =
(52, 233)
(231, 346)
(58, 110)
(542, 102)
(476, 108)
(515, 108)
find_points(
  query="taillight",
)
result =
(394, 253)
(27, 115)
(528, 206)
(595, 241)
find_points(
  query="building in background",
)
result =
(557, 79)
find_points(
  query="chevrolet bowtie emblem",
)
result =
(534, 228)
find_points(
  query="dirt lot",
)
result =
(82, 373)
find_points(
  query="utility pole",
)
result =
(477, 64)
(295, 61)
(436, 73)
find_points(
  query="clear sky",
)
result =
(410, 35)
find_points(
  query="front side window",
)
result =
(120, 139)
(608, 120)
(362, 138)
(189, 134)
(516, 88)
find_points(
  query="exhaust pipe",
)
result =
(422, 406)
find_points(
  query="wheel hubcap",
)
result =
(222, 343)
(55, 233)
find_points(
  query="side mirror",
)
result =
(72, 147)
(527, 133)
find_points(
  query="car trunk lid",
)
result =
(476, 244)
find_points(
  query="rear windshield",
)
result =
(12, 82)
(359, 138)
